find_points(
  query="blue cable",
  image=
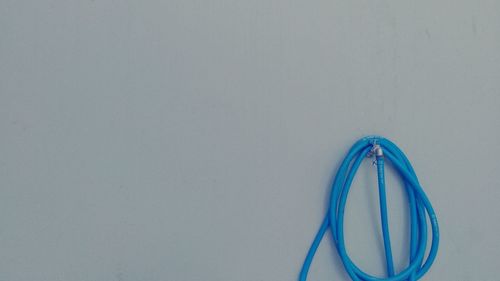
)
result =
(419, 206)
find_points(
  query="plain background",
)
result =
(196, 140)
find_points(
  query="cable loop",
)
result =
(418, 204)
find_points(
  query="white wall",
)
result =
(196, 140)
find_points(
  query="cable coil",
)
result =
(419, 208)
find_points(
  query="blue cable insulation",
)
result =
(419, 209)
(383, 216)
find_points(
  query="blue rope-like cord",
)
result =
(419, 206)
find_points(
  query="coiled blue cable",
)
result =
(419, 206)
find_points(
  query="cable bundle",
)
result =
(419, 206)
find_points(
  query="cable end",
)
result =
(377, 150)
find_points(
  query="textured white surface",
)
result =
(196, 140)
